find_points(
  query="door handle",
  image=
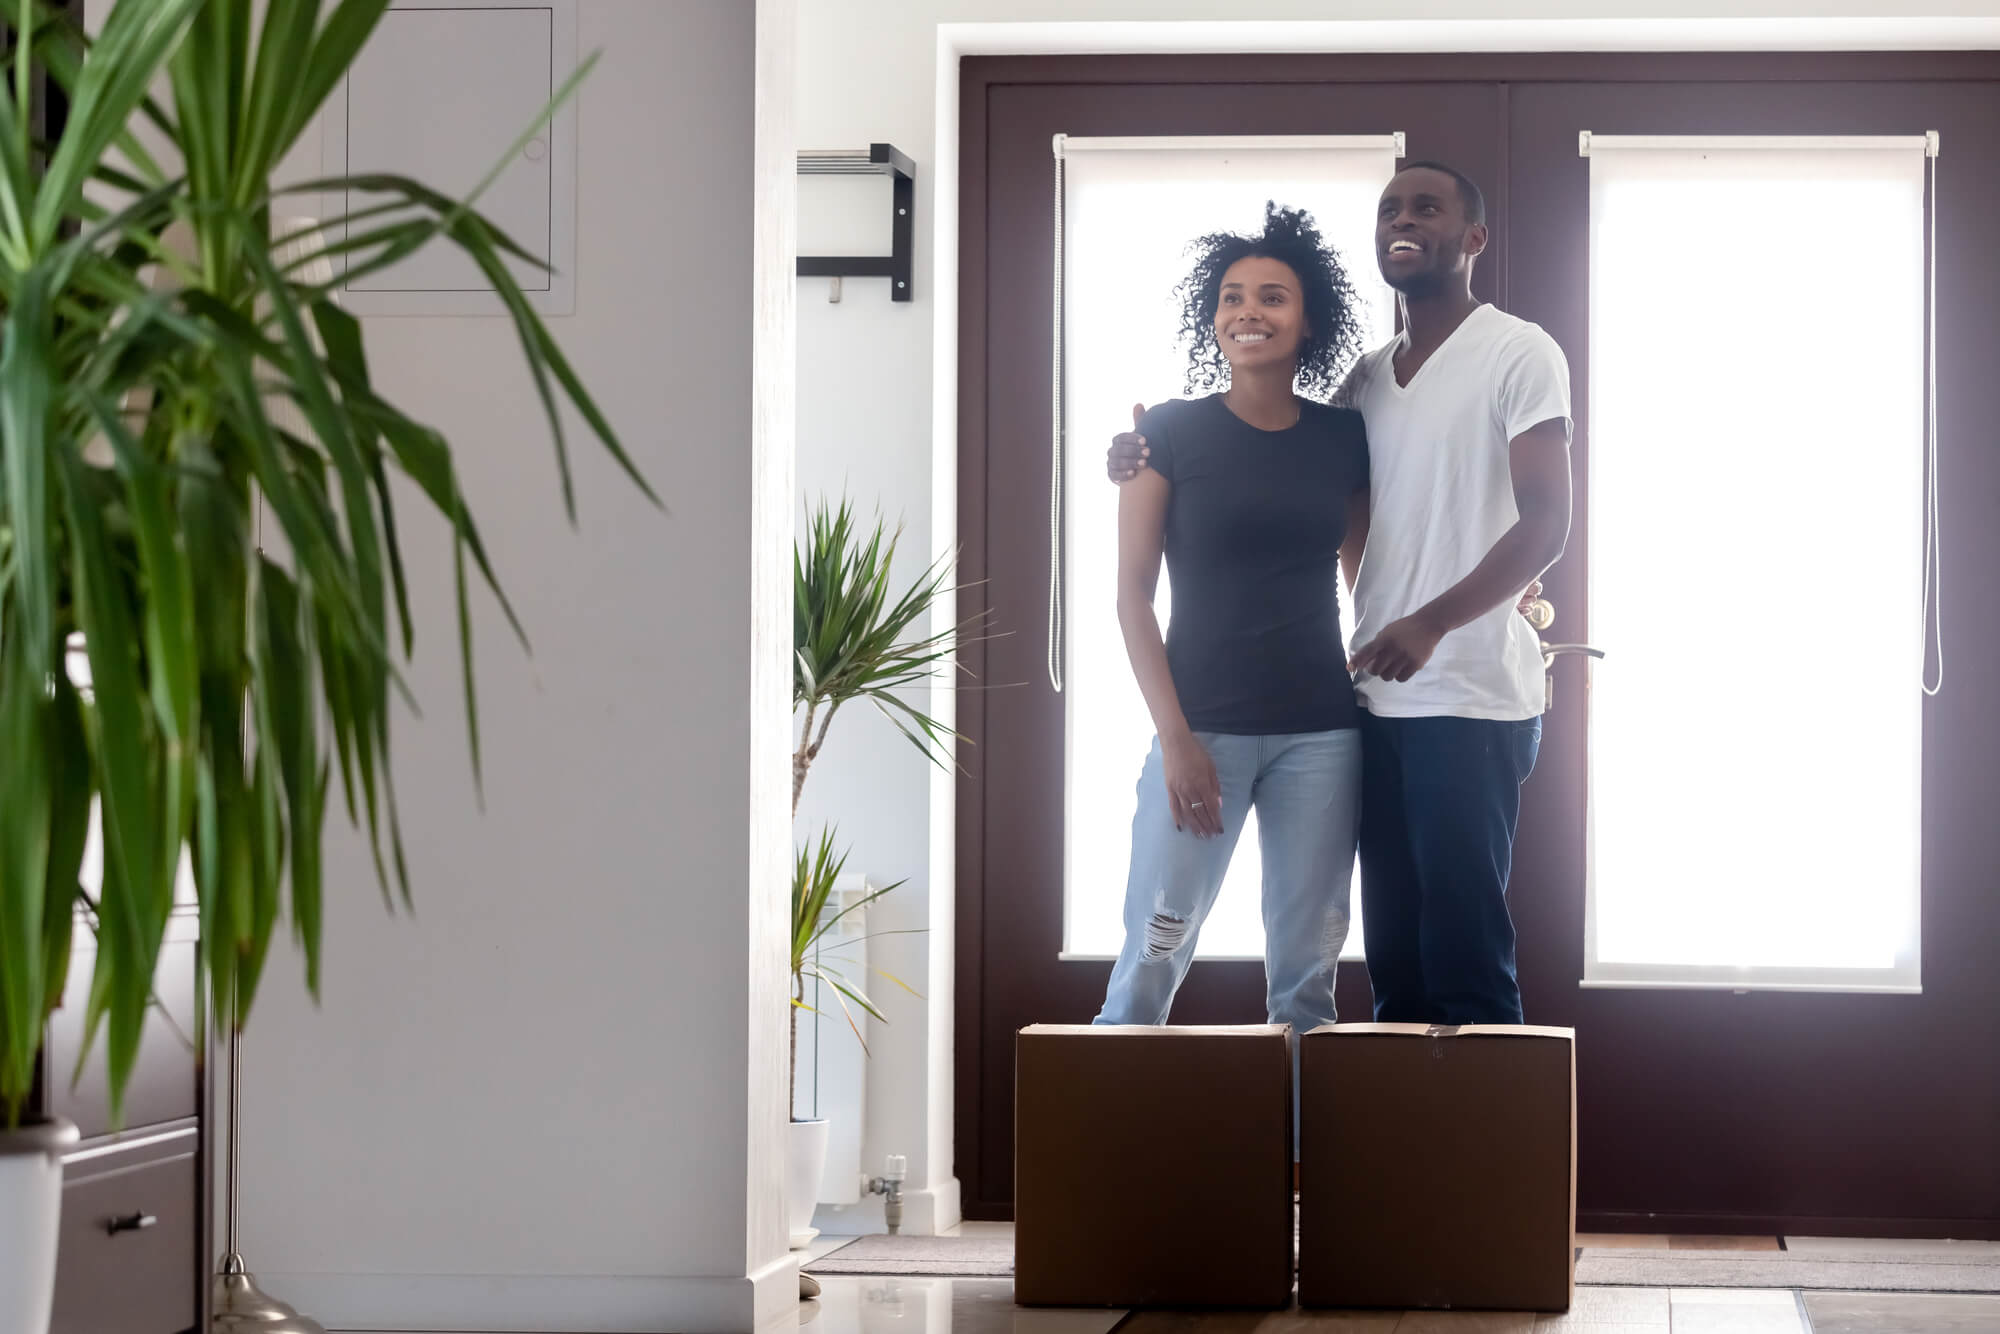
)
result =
(1550, 652)
(130, 1223)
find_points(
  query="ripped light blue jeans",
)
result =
(1306, 789)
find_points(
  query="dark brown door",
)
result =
(1717, 1111)
(1698, 1111)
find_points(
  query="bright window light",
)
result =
(1131, 212)
(1757, 447)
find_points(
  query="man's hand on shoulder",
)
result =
(1129, 453)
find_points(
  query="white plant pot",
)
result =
(31, 1161)
(807, 1145)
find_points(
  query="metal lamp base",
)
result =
(241, 1307)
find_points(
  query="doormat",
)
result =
(942, 1257)
(1859, 1271)
(1849, 1271)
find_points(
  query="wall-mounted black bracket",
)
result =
(877, 160)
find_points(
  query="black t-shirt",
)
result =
(1253, 537)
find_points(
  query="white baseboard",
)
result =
(774, 1293)
(925, 1214)
(947, 1208)
(540, 1303)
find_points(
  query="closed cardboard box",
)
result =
(1153, 1166)
(1437, 1167)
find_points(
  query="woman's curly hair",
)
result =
(1332, 307)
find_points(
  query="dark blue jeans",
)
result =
(1440, 799)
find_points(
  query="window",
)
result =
(1132, 206)
(1757, 470)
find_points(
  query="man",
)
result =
(1468, 422)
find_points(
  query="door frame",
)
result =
(978, 77)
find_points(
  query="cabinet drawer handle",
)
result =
(132, 1223)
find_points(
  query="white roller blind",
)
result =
(1759, 412)
(1126, 211)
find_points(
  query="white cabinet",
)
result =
(443, 91)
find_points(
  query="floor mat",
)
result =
(1851, 1271)
(1847, 1271)
(944, 1257)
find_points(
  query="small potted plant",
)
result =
(818, 959)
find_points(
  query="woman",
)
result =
(1245, 496)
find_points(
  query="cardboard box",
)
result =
(1437, 1167)
(1153, 1166)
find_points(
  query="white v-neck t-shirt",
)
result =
(1443, 494)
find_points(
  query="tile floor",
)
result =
(985, 1306)
(1901, 1313)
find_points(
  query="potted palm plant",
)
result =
(822, 960)
(172, 357)
(852, 642)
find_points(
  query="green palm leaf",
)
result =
(852, 641)
(168, 370)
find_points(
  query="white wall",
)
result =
(876, 405)
(864, 432)
(553, 1099)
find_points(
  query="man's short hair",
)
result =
(1468, 193)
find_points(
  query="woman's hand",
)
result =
(1192, 787)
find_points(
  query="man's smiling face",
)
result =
(1423, 238)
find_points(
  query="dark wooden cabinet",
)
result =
(130, 1255)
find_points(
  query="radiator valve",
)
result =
(890, 1187)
